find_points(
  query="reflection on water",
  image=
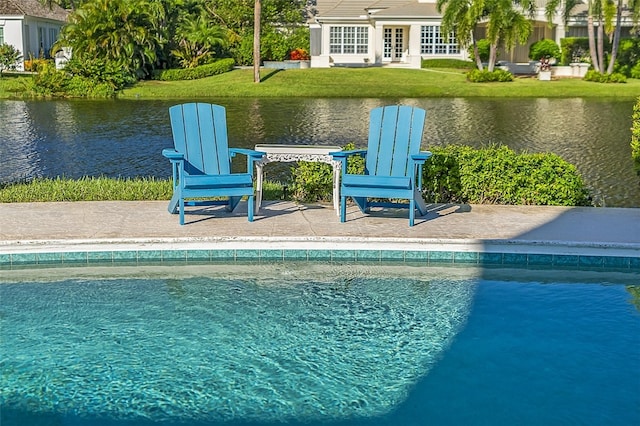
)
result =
(125, 138)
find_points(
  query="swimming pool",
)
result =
(315, 343)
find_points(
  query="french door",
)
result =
(394, 43)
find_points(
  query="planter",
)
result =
(288, 64)
(544, 76)
(579, 69)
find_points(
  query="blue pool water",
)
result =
(313, 344)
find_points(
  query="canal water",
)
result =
(124, 138)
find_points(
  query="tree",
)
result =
(504, 19)
(122, 31)
(197, 39)
(239, 19)
(602, 13)
(9, 57)
(257, 13)
(65, 4)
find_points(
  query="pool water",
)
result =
(315, 344)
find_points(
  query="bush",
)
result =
(462, 174)
(484, 47)
(544, 48)
(574, 49)
(497, 175)
(635, 137)
(219, 67)
(448, 63)
(9, 57)
(599, 77)
(94, 78)
(313, 182)
(35, 65)
(477, 76)
(628, 58)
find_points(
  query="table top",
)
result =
(297, 149)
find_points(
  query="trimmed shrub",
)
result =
(448, 63)
(635, 137)
(544, 48)
(477, 76)
(599, 77)
(219, 67)
(311, 182)
(484, 49)
(574, 49)
(497, 175)
(462, 174)
(628, 58)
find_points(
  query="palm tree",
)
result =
(504, 23)
(120, 31)
(197, 38)
(257, 14)
(601, 12)
(462, 17)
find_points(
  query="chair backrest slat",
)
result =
(395, 132)
(200, 132)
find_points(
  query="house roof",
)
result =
(34, 9)
(377, 8)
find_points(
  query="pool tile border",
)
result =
(424, 257)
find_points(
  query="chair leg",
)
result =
(412, 211)
(250, 207)
(343, 209)
(181, 211)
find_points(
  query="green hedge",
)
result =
(498, 175)
(218, 67)
(462, 174)
(484, 76)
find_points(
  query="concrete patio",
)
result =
(42, 227)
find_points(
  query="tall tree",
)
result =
(257, 14)
(120, 31)
(505, 23)
(602, 13)
(197, 38)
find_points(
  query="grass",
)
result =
(374, 82)
(101, 189)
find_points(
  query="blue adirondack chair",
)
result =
(201, 160)
(393, 162)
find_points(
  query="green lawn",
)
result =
(357, 82)
(372, 83)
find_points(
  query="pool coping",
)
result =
(529, 253)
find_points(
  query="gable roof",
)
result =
(34, 9)
(386, 8)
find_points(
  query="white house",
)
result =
(370, 32)
(30, 27)
(402, 32)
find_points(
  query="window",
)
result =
(53, 36)
(1, 35)
(349, 40)
(432, 42)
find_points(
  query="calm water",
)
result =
(276, 344)
(125, 138)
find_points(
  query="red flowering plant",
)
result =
(299, 55)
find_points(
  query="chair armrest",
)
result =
(172, 154)
(256, 155)
(421, 157)
(337, 155)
